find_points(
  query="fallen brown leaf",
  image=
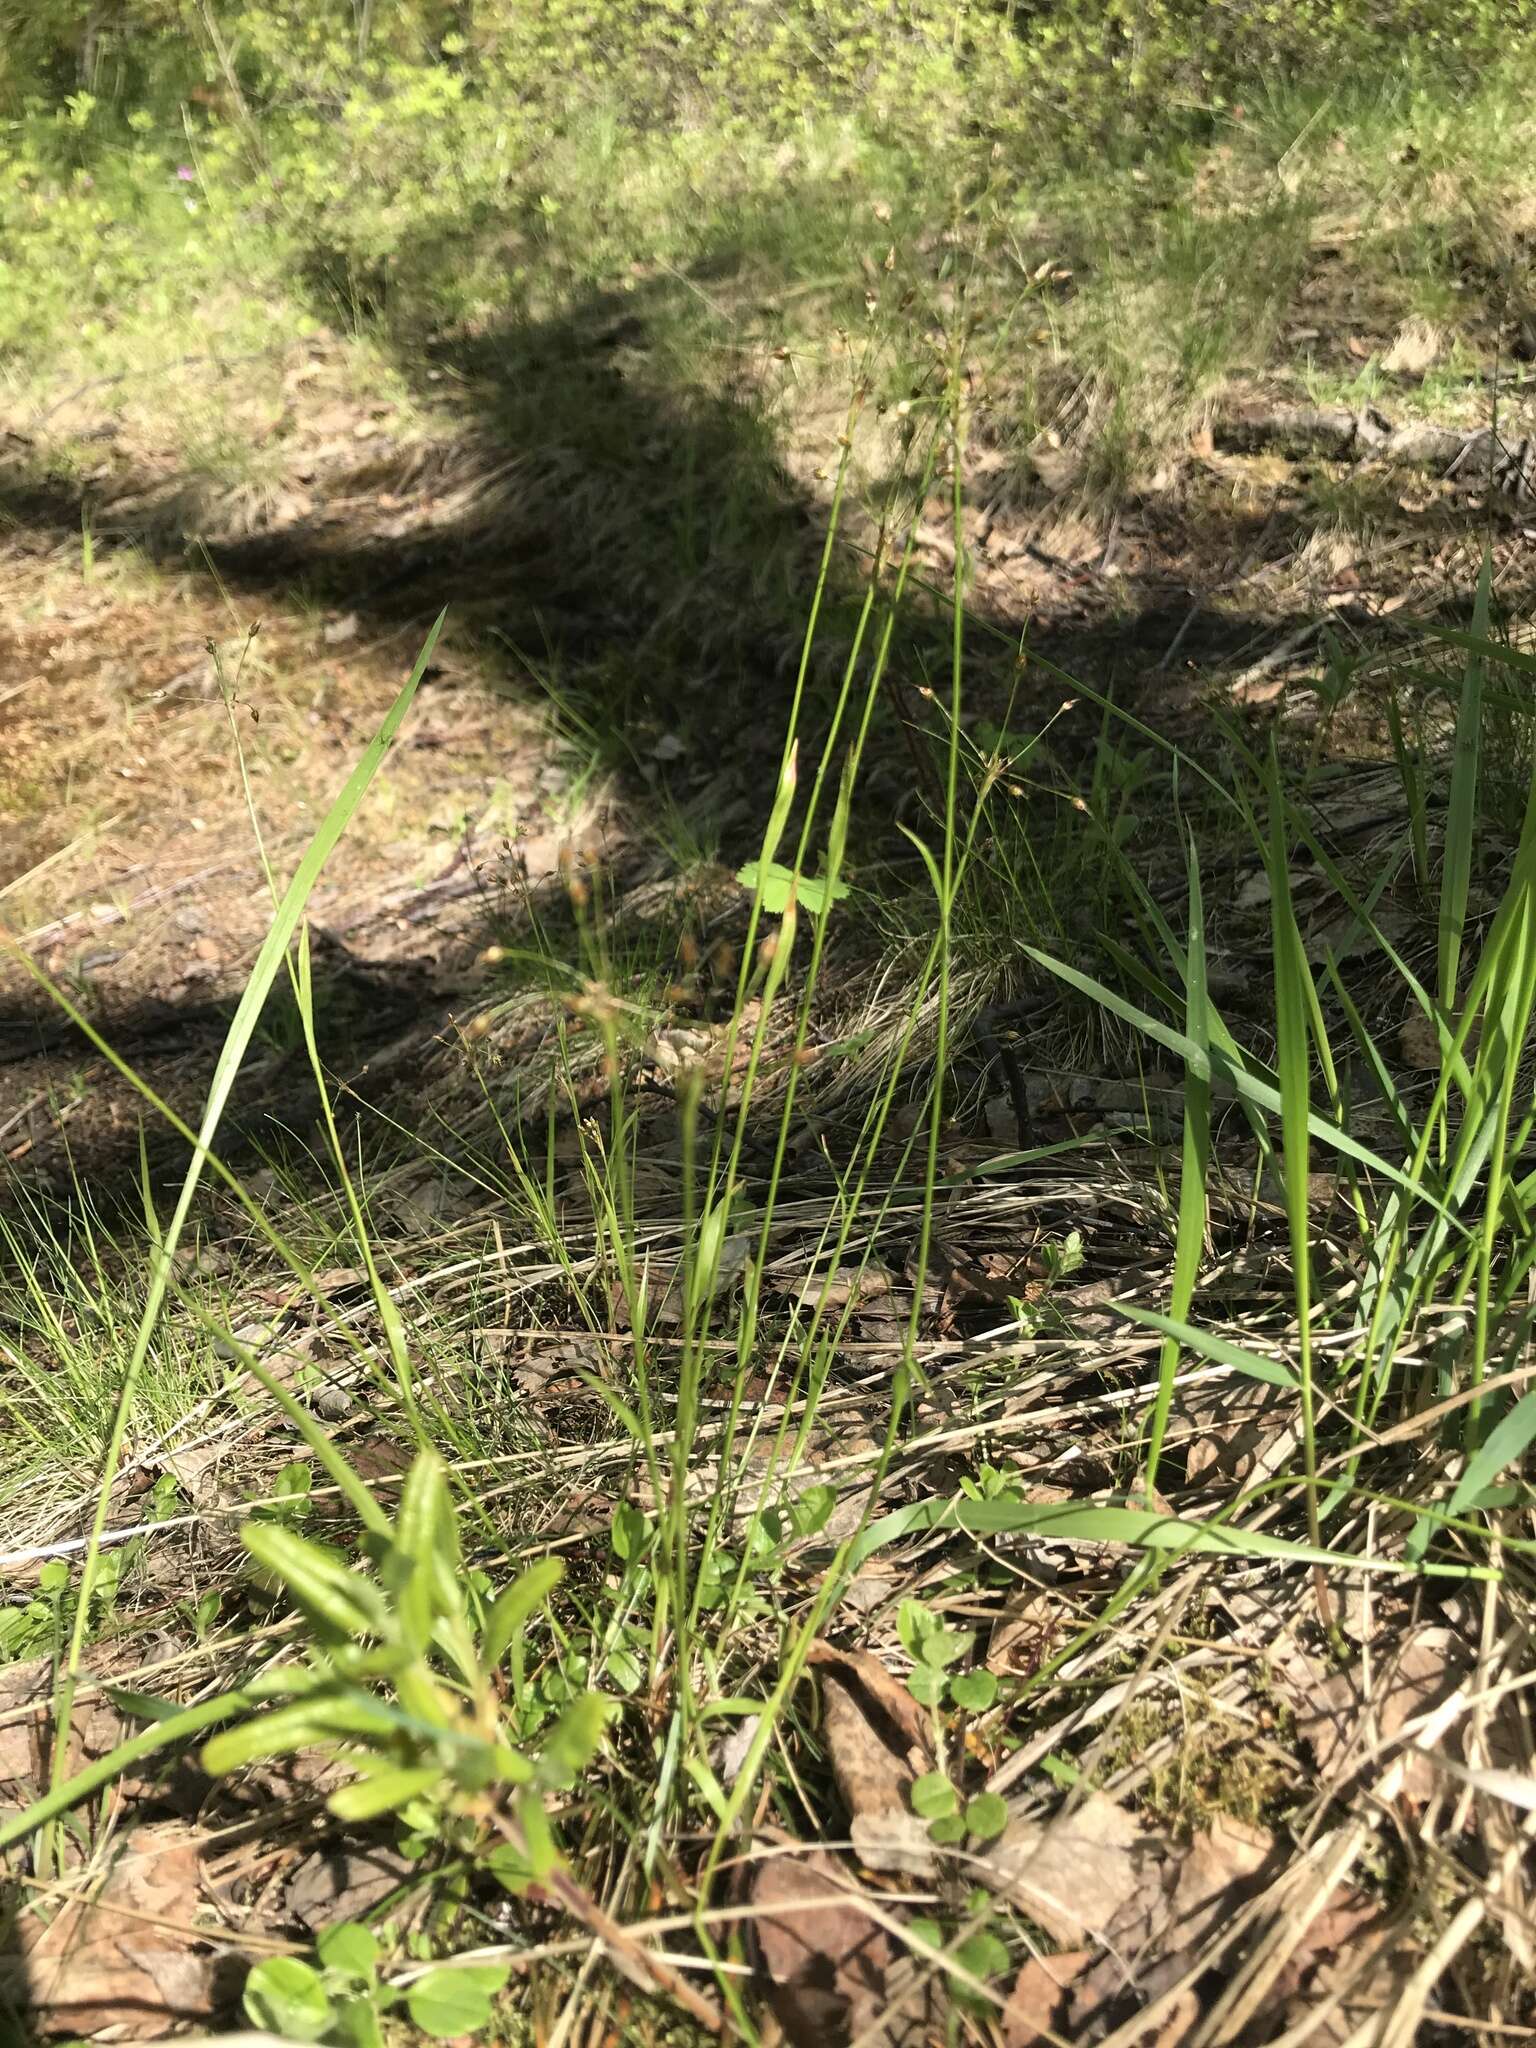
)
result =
(26, 1694)
(1236, 1434)
(1024, 1636)
(126, 1956)
(1148, 1903)
(1162, 1929)
(1076, 1874)
(848, 1286)
(1348, 1950)
(1041, 1996)
(96, 1727)
(877, 1738)
(825, 1960)
(1349, 1721)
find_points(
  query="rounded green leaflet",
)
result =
(624, 1669)
(357, 2021)
(812, 1510)
(973, 1690)
(779, 883)
(287, 1997)
(933, 1796)
(947, 1830)
(926, 1686)
(984, 1954)
(349, 1949)
(986, 1816)
(448, 2002)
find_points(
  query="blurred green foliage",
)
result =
(924, 65)
(440, 160)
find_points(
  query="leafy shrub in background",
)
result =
(921, 65)
(1155, 63)
(441, 163)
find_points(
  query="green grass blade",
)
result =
(1244, 1082)
(1461, 818)
(1220, 1350)
(1194, 1165)
(242, 1027)
(1504, 1443)
(1142, 1529)
(1295, 1003)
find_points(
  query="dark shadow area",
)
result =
(638, 553)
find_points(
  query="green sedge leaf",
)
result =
(1505, 1442)
(1143, 1530)
(1219, 1349)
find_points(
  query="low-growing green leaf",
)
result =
(543, 1851)
(933, 1795)
(348, 1948)
(779, 882)
(926, 1685)
(948, 1829)
(448, 2002)
(811, 1511)
(510, 1867)
(575, 1738)
(515, 1605)
(328, 1590)
(986, 1815)
(630, 1532)
(318, 1718)
(357, 2022)
(973, 1690)
(287, 1997)
(913, 1624)
(984, 1954)
(382, 1792)
(624, 1669)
